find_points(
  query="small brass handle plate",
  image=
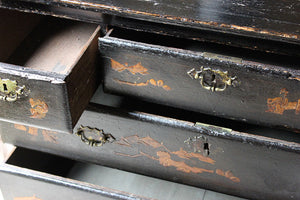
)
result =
(11, 91)
(214, 80)
(93, 136)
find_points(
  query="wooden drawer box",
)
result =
(40, 176)
(229, 82)
(47, 71)
(201, 155)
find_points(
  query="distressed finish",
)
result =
(201, 155)
(76, 180)
(277, 20)
(268, 26)
(235, 85)
(45, 76)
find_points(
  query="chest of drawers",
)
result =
(234, 60)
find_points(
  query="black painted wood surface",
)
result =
(152, 68)
(248, 24)
(56, 63)
(268, 19)
(196, 154)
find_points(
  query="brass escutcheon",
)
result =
(214, 80)
(94, 136)
(10, 91)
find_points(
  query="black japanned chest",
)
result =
(197, 92)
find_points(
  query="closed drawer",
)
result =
(244, 164)
(228, 82)
(35, 175)
(47, 71)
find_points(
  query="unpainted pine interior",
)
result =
(55, 45)
(14, 27)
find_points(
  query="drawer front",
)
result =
(49, 70)
(195, 154)
(203, 82)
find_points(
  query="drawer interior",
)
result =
(14, 27)
(44, 43)
(200, 46)
(117, 180)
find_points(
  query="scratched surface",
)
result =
(277, 20)
(258, 80)
(231, 35)
(200, 155)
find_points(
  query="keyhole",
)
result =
(213, 77)
(206, 148)
(5, 87)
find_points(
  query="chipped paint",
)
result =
(38, 108)
(233, 27)
(222, 57)
(159, 83)
(27, 198)
(280, 104)
(295, 78)
(134, 69)
(168, 158)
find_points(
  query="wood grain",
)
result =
(54, 46)
(14, 29)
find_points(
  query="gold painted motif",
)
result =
(167, 158)
(48, 136)
(10, 91)
(137, 69)
(214, 80)
(159, 83)
(94, 136)
(38, 109)
(280, 104)
(134, 69)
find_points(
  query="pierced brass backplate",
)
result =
(214, 80)
(10, 91)
(94, 136)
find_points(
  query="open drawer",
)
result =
(47, 71)
(248, 165)
(39, 176)
(235, 83)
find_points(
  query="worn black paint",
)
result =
(261, 163)
(259, 80)
(278, 16)
(238, 13)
